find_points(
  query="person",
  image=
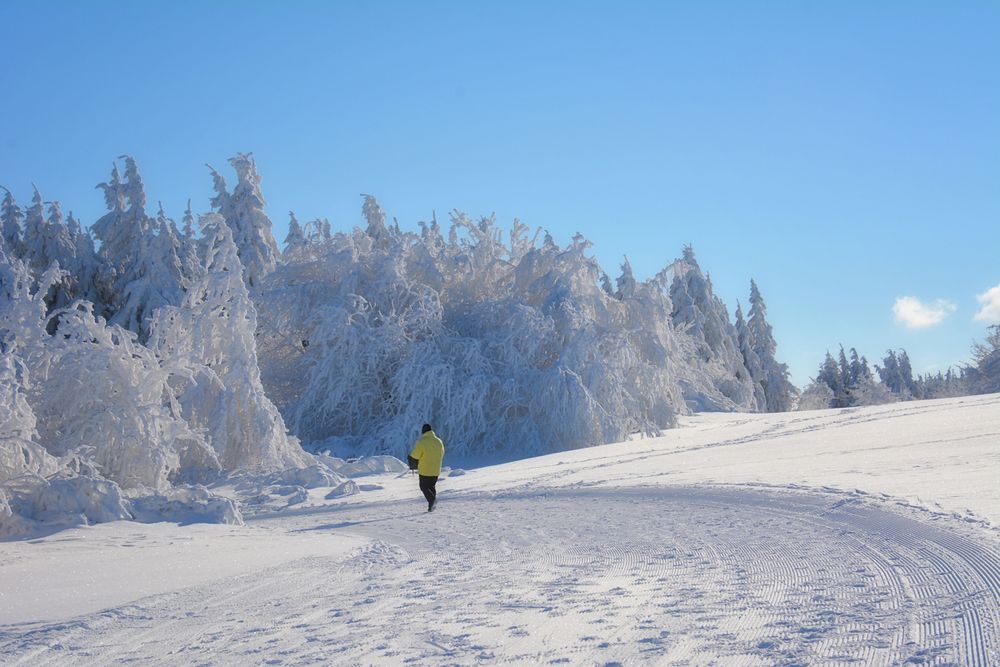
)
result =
(426, 459)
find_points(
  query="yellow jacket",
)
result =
(429, 451)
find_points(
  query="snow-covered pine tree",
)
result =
(60, 247)
(85, 271)
(897, 375)
(120, 242)
(906, 373)
(188, 251)
(35, 234)
(212, 331)
(778, 389)
(750, 359)
(829, 376)
(985, 375)
(847, 381)
(859, 368)
(12, 225)
(816, 396)
(140, 254)
(375, 217)
(701, 315)
(296, 239)
(625, 282)
(243, 211)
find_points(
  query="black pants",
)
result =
(427, 485)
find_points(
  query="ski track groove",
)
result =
(670, 575)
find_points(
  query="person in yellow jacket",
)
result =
(426, 459)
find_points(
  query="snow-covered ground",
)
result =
(865, 536)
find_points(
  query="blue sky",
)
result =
(843, 154)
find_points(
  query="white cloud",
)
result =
(990, 312)
(914, 314)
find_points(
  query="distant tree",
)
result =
(750, 358)
(985, 375)
(35, 233)
(296, 239)
(779, 391)
(816, 396)
(187, 224)
(897, 374)
(11, 225)
(859, 368)
(626, 281)
(140, 254)
(192, 268)
(829, 375)
(847, 381)
(698, 312)
(243, 211)
(906, 373)
(86, 269)
(889, 373)
(375, 217)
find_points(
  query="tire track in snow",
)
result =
(668, 575)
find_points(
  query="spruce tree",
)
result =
(626, 282)
(750, 359)
(296, 239)
(34, 234)
(243, 211)
(779, 392)
(11, 224)
(829, 374)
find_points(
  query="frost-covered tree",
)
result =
(296, 239)
(750, 358)
(243, 211)
(859, 370)
(141, 255)
(11, 225)
(503, 346)
(816, 396)
(376, 218)
(700, 314)
(626, 282)
(829, 376)
(85, 268)
(779, 391)
(35, 234)
(187, 249)
(99, 397)
(212, 332)
(20, 452)
(985, 375)
(896, 373)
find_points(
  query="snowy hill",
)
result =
(864, 535)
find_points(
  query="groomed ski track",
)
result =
(685, 575)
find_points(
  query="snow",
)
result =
(865, 535)
(84, 570)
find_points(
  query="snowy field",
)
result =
(858, 536)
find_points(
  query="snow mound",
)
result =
(348, 488)
(186, 504)
(319, 474)
(368, 465)
(32, 503)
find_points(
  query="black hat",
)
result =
(425, 428)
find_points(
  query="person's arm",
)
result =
(414, 458)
